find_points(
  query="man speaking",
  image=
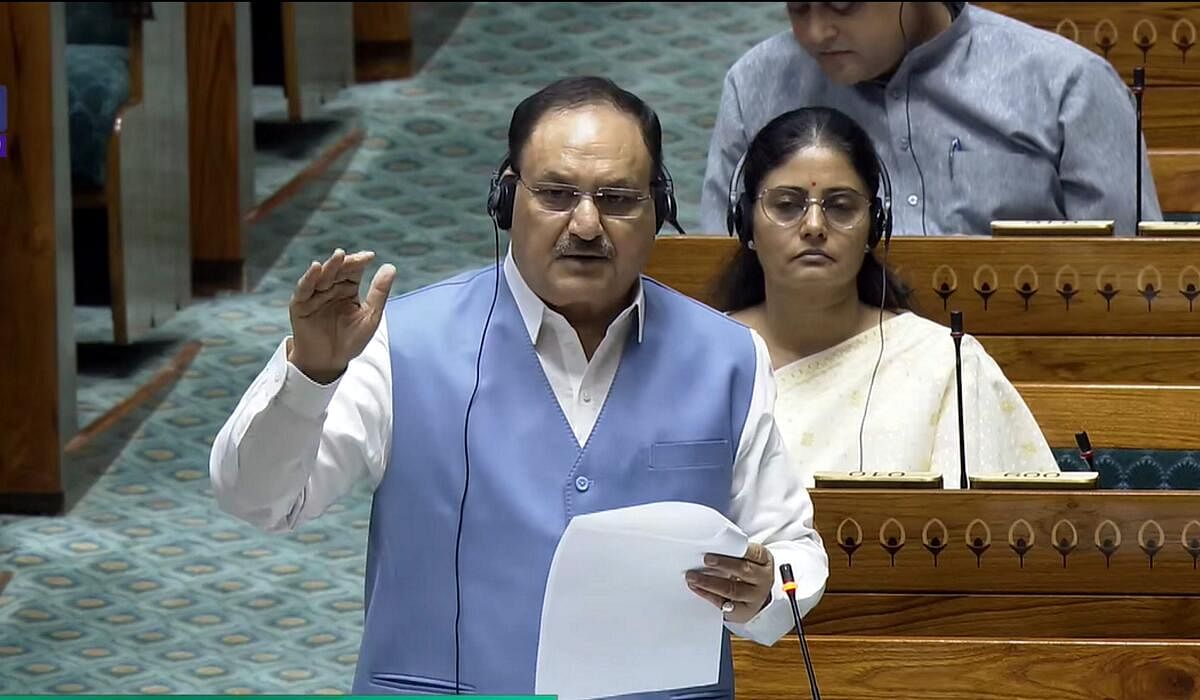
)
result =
(489, 409)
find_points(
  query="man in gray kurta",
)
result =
(977, 116)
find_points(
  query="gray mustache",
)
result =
(572, 245)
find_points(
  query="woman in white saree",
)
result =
(863, 382)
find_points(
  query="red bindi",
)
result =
(812, 184)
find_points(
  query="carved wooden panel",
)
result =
(1010, 542)
(1116, 286)
(1159, 35)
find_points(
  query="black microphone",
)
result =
(1085, 449)
(956, 332)
(1139, 86)
(789, 587)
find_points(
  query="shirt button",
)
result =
(587, 397)
(913, 199)
(904, 143)
(582, 484)
(896, 94)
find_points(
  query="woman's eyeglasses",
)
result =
(787, 206)
(614, 202)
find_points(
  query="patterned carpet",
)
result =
(145, 587)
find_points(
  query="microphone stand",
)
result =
(956, 332)
(789, 587)
(1139, 87)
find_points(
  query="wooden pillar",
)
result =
(383, 42)
(221, 131)
(37, 373)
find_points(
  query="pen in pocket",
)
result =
(955, 145)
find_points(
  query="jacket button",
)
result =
(582, 484)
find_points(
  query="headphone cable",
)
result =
(467, 470)
(871, 387)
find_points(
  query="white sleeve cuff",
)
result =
(774, 621)
(302, 395)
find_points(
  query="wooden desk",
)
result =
(985, 595)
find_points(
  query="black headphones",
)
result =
(739, 213)
(503, 193)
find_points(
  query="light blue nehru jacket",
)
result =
(669, 430)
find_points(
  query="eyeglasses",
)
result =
(614, 202)
(787, 206)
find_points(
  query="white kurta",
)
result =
(912, 418)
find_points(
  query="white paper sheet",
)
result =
(618, 616)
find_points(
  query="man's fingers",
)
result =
(716, 600)
(339, 278)
(741, 568)
(381, 286)
(330, 269)
(722, 588)
(758, 554)
(339, 292)
(350, 269)
(353, 266)
(307, 283)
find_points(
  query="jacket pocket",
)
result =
(700, 454)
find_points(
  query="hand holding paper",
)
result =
(618, 616)
(740, 586)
